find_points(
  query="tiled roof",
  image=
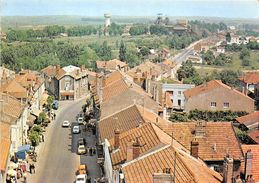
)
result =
(208, 86)
(15, 89)
(185, 168)
(254, 135)
(250, 77)
(219, 139)
(114, 89)
(250, 119)
(127, 98)
(255, 162)
(111, 64)
(111, 78)
(146, 136)
(53, 71)
(11, 106)
(125, 119)
(5, 143)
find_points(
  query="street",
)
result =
(57, 157)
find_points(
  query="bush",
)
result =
(178, 117)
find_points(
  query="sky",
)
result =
(211, 8)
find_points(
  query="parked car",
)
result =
(80, 120)
(81, 149)
(76, 129)
(81, 178)
(81, 141)
(65, 124)
(82, 169)
(55, 104)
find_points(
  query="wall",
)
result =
(237, 102)
(107, 162)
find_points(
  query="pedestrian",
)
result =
(30, 167)
(42, 138)
(54, 116)
(89, 180)
(24, 178)
(33, 168)
(91, 151)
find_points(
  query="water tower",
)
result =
(107, 19)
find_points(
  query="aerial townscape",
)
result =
(121, 93)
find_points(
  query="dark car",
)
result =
(55, 104)
(81, 141)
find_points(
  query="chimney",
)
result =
(195, 148)
(248, 163)
(129, 151)
(57, 68)
(136, 149)
(228, 169)
(200, 129)
(116, 138)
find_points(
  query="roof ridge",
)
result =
(118, 112)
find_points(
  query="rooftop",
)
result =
(254, 135)
(250, 119)
(250, 77)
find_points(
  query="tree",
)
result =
(246, 62)
(228, 37)
(122, 54)
(208, 57)
(178, 117)
(229, 77)
(34, 138)
(244, 53)
(144, 51)
(132, 55)
(42, 118)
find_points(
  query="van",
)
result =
(80, 120)
(55, 104)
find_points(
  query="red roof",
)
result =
(255, 163)
(250, 119)
(250, 77)
(254, 135)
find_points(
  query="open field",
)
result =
(235, 65)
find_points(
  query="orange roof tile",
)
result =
(185, 168)
(125, 119)
(209, 86)
(255, 163)
(254, 135)
(114, 76)
(146, 136)
(111, 64)
(250, 119)
(219, 139)
(250, 77)
(114, 89)
(11, 106)
(15, 89)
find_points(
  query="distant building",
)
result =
(112, 65)
(216, 96)
(220, 49)
(248, 82)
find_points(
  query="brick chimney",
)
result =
(116, 138)
(228, 169)
(248, 163)
(136, 149)
(195, 148)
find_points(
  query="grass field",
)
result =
(235, 65)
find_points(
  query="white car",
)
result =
(80, 120)
(81, 178)
(65, 124)
(81, 149)
(76, 129)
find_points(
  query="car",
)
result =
(81, 178)
(81, 149)
(55, 104)
(82, 169)
(76, 129)
(65, 124)
(81, 141)
(80, 120)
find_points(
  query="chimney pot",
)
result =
(195, 149)
(117, 138)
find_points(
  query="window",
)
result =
(213, 104)
(179, 102)
(67, 85)
(179, 92)
(226, 104)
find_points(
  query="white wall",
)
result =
(107, 161)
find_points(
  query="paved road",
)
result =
(56, 162)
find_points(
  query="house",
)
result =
(214, 141)
(251, 164)
(216, 96)
(112, 65)
(67, 83)
(129, 139)
(169, 96)
(194, 58)
(234, 39)
(249, 122)
(248, 82)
